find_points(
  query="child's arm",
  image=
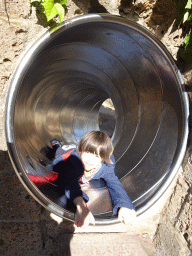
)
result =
(83, 216)
(122, 204)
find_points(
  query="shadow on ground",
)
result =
(25, 226)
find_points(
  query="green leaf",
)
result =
(187, 54)
(50, 10)
(60, 11)
(189, 4)
(54, 29)
(53, 13)
(188, 40)
(62, 2)
(190, 17)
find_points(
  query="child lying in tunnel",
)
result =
(93, 160)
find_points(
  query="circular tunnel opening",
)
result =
(99, 72)
(107, 117)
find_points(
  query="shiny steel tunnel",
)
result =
(60, 89)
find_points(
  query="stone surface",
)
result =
(168, 241)
(174, 230)
(20, 239)
(13, 196)
(115, 244)
(178, 198)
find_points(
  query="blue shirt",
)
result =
(71, 170)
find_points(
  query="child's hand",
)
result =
(126, 215)
(83, 216)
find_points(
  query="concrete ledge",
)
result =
(114, 244)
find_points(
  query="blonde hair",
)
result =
(97, 142)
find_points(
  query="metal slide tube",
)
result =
(58, 91)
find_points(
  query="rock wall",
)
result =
(174, 230)
(20, 215)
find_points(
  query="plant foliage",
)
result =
(187, 18)
(51, 8)
(188, 13)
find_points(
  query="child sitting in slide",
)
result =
(92, 160)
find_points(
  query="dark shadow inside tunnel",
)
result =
(60, 91)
